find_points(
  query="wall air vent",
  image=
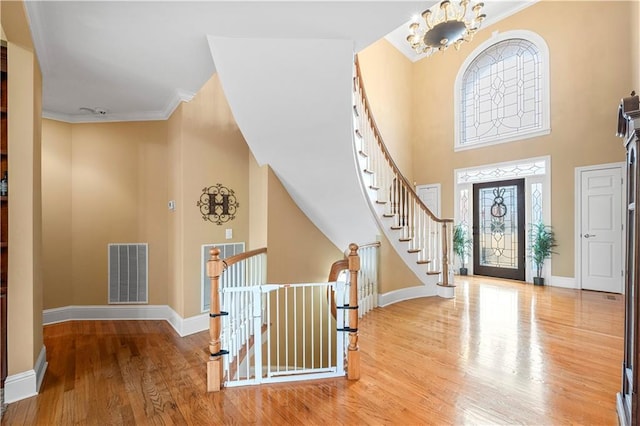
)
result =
(128, 272)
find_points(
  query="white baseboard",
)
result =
(194, 324)
(564, 282)
(26, 384)
(183, 326)
(104, 312)
(395, 296)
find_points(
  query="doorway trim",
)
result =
(464, 178)
(578, 215)
(438, 189)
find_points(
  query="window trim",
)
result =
(543, 50)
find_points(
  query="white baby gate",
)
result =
(283, 332)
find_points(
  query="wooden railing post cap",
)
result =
(214, 265)
(354, 259)
(353, 249)
(214, 253)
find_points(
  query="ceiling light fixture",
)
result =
(449, 23)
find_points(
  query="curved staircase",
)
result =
(421, 238)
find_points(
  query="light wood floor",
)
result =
(500, 353)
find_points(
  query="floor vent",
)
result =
(610, 297)
(128, 272)
(226, 250)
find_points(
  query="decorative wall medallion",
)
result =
(218, 204)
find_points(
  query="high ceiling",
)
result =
(138, 60)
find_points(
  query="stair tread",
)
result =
(375, 188)
(355, 111)
(397, 228)
(367, 171)
(405, 240)
(413, 251)
(380, 202)
(423, 262)
(358, 134)
(433, 272)
(362, 153)
(388, 214)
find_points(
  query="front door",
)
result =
(499, 229)
(601, 229)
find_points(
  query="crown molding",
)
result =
(178, 97)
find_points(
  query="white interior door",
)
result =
(430, 196)
(601, 229)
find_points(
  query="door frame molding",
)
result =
(577, 204)
(439, 189)
(519, 273)
(544, 179)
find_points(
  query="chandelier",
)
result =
(448, 24)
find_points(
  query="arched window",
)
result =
(502, 91)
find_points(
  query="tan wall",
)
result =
(587, 81)
(103, 183)
(117, 179)
(258, 191)
(211, 150)
(387, 76)
(56, 219)
(298, 251)
(119, 189)
(175, 266)
(24, 312)
(394, 273)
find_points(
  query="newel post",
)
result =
(214, 365)
(445, 255)
(353, 354)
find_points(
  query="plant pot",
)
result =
(463, 271)
(538, 281)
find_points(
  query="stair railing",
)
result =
(426, 234)
(302, 340)
(236, 326)
(368, 276)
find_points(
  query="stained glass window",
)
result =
(498, 227)
(482, 174)
(503, 94)
(536, 203)
(464, 207)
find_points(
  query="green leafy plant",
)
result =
(461, 243)
(543, 241)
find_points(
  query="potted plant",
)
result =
(543, 241)
(461, 245)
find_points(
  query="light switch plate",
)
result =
(228, 233)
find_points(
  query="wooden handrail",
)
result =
(411, 214)
(337, 267)
(360, 248)
(387, 154)
(242, 256)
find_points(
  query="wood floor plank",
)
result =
(501, 352)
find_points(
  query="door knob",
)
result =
(589, 235)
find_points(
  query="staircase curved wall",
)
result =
(292, 101)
